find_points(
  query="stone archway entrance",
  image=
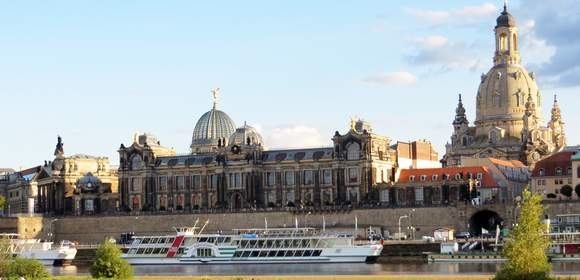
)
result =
(236, 201)
(484, 219)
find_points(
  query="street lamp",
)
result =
(50, 228)
(400, 218)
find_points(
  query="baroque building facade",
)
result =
(509, 124)
(231, 168)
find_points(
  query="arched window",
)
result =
(493, 137)
(464, 141)
(353, 151)
(136, 162)
(503, 42)
(515, 42)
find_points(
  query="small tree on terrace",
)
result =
(526, 248)
(109, 264)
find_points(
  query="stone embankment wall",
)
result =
(92, 230)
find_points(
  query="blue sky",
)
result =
(97, 71)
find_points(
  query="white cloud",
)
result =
(463, 15)
(392, 78)
(296, 136)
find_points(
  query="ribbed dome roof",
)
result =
(240, 137)
(505, 19)
(212, 126)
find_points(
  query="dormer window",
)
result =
(541, 172)
(458, 176)
(558, 171)
(479, 176)
(411, 178)
(434, 178)
(423, 178)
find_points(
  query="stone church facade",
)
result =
(230, 168)
(509, 124)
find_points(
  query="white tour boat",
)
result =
(44, 251)
(268, 245)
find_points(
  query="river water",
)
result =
(319, 269)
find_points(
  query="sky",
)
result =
(95, 72)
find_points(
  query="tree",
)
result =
(30, 269)
(2, 202)
(5, 256)
(566, 190)
(109, 264)
(577, 190)
(526, 248)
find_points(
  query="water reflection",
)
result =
(318, 269)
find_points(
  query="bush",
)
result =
(108, 263)
(566, 190)
(551, 195)
(29, 269)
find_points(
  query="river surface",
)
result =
(318, 269)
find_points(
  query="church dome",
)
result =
(505, 19)
(213, 125)
(245, 134)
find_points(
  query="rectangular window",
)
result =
(270, 179)
(213, 182)
(196, 182)
(180, 182)
(353, 175)
(136, 185)
(235, 181)
(418, 194)
(327, 177)
(163, 183)
(308, 177)
(289, 178)
(385, 195)
(479, 176)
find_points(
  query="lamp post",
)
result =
(50, 229)
(411, 223)
(400, 218)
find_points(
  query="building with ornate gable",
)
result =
(231, 168)
(508, 124)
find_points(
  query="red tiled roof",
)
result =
(549, 164)
(487, 180)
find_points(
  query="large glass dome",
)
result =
(211, 127)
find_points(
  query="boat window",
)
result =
(255, 253)
(146, 240)
(261, 243)
(164, 250)
(269, 243)
(181, 251)
(132, 251)
(148, 250)
(210, 240)
(237, 254)
(156, 251)
(296, 243)
(243, 243)
(253, 243)
(272, 254)
(246, 254)
(171, 240)
(308, 253)
(219, 240)
(263, 254)
(154, 240)
(298, 253)
(203, 239)
(280, 253)
(278, 243)
(227, 240)
(306, 243)
(204, 252)
(140, 251)
(316, 253)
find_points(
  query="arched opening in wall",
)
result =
(236, 201)
(485, 219)
(515, 42)
(503, 42)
